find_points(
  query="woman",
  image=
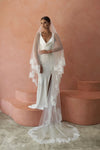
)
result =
(47, 61)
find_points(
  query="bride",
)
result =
(47, 61)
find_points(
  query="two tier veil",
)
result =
(51, 129)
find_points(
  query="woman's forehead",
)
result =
(43, 20)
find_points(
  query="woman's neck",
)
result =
(46, 31)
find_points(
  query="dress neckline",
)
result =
(48, 40)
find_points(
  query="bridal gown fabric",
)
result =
(44, 78)
(51, 129)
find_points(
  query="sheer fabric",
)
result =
(51, 129)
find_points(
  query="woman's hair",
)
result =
(46, 18)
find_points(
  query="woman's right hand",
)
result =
(41, 69)
(43, 52)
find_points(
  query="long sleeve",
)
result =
(58, 43)
(36, 41)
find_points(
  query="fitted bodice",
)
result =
(46, 59)
(46, 45)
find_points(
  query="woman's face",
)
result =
(45, 24)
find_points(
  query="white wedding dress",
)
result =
(43, 78)
(52, 129)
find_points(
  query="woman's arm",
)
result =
(36, 40)
(58, 43)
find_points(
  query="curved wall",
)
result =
(78, 25)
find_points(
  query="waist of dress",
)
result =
(45, 49)
(46, 57)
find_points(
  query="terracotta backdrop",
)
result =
(78, 25)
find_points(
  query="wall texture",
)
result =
(78, 25)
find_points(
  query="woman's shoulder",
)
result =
(56, 36)
(37, 35)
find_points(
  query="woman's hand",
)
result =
(50, 51)
(42, 52)
(45, 52)
(41, 69)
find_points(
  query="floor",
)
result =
(14, 137)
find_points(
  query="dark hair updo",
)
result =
(46, 18)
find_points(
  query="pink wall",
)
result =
(78, 25)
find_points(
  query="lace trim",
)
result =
(58, 140)
(44, 140)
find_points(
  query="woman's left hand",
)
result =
(50, 51)
(45, 51)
